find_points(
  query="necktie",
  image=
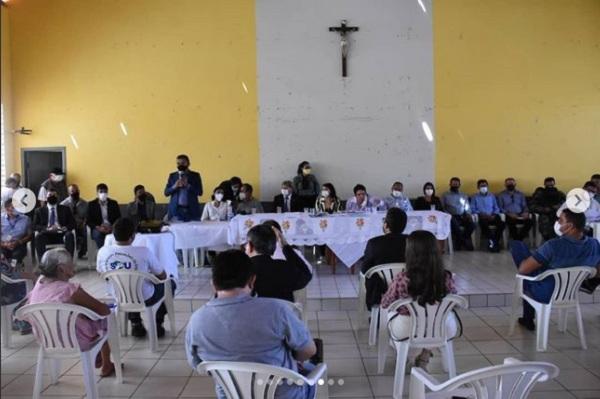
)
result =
(285, 204)
(52, 220)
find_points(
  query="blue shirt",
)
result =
(248, 329)
(512, 202)
(559, 253)
(15, 228)
(398, 202)
(456, 203)
(484, 203)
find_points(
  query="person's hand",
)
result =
(53, 228)
(525, 215)
(100, 228)
(279, 237)
(512, 215)
(11, 245)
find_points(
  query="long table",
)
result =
(345, 233)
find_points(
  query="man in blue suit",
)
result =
(184, 187)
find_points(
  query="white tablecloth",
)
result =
(345, 234)
(161, 245)
(213, 235)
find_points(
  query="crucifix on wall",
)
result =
(342, 30)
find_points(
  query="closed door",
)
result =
(37, 165)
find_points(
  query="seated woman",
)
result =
(327, 201)
(429, 201)
(13, 293)
(57, 268)
(424, 280)
(217, 209)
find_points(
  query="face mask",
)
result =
(181, 168)
(510, 187)
(325, 193)
(285, 192)
(102, 196)
(75, 196)
(235, 189)
(483, 190)
(219, 197)
(242, 196)
(52, 200)
(429, 192)
(58, 178)
(397, 194)
(557, 229)
(454, 189)
(306, 171)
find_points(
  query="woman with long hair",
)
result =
(328, 201)
(425, 280)
(306, 185)
(428, 201)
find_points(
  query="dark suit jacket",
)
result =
(388, 248)
(94, 217)
(277, 278)
(63, 213)
(295, 203)
(194, 191)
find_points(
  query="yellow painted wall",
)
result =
(172, 71)
(517, 91)
(6, 88)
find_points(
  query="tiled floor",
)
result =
(166, 374)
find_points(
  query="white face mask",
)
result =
(58, 178)
(483, 190)
(219, 197)
(557, 229)
(285, 192)
(429, 192)
(102, 196)
(397, 194)
(242, 196)
(324, 193)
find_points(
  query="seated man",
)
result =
(513, 204)
(16, 233)
(54, 224)
(247, 204)
(79, 209)
(275, 278)
(8, 190)
(456, 204)
(545, 203)
(592, 213)
(142, 208)
(287, 201)
(102, 213)
(397, 199)
(237, 327)
(362, 201)
(56, 182)
(572, 248)
(123, 255)
(388, 248)
(484, 205)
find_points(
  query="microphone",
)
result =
(180, 172)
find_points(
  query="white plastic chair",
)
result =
(244, 380)
(427, 332)
(564, 297)
(300, 302)
(127, 286)
(7, 311)
(386, 272)
(54, 327)
(512, 380)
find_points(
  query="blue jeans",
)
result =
(520, 252)
(98, 238)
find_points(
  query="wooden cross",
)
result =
(342, 30)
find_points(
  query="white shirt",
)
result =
(104, 211)
(214, 213)
(7, 193)
(128, 257)
(55, 215)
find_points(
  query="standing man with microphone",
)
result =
(184, 187)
